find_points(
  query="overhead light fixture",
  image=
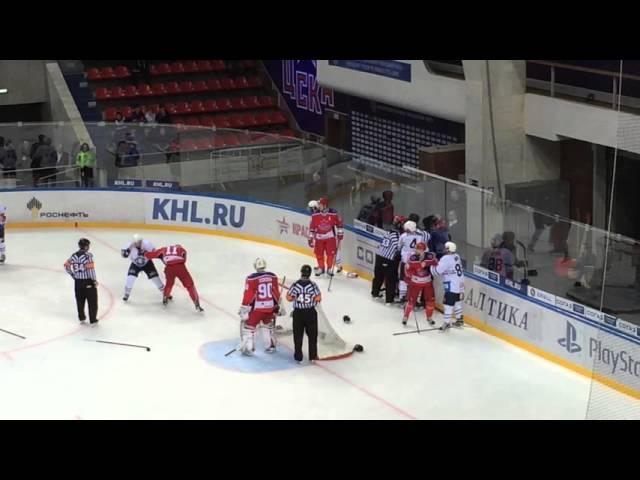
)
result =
(4, 90)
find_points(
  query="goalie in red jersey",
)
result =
(419, 280)
(175, 259)
(326, 232)
(260, 303)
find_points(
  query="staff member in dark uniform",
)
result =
(388, 262)
(305, 295)
(82, 269)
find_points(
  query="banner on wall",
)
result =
(386, 68)
(298, 84)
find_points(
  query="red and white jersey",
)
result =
(261, 291)
(171, 255)
(417, 268)
(325, 225)
(3, 215)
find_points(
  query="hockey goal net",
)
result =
(330, 345)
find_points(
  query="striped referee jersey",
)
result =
(81, 266)
(304, 294)
(388, 247)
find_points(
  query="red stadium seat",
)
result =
(130, 91)
(172, 88)
(204, 65)
(192, 121)
(217, 65)
(263, 119)
(144, 90)
(224, 104)
(213, 84)
(278, 117)
(218, 141)
(266, 101)
(287, 132)
(188, 145)
(151, 108)
(254, 82)
(228, 83)
(158, 89)
(236, 121)
(248, 119)
(109, 114)
(237, 103)
(221, 121)
(94, 74)
(210, 106)
(251, 102)
(102, 93)
(183, 108)
(241, 82)
(177, 67)
(203, 143)
(231, 140)
(207, 121)
(107, 73)
(186, 86)
(190, 66)
(122, 72)
(118, 92)
(196, 106)
(160, 69)
(170, 108)
(200, 86)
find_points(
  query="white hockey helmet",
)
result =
(313, 205)
(260, 264)
(450, 247)
(410, 226)
(496, 241)
(137, 238)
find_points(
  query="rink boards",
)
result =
(562, 331)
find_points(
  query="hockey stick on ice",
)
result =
(333, 267)
(417, 331)
(14, 334)
(416, 319)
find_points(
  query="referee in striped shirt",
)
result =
(387, 262)
(82, 269)
(305, 295)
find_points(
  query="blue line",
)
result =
(597, 325)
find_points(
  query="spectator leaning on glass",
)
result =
(85, 161)
(10, 160)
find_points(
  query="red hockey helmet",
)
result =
(421, 246)
(323, 201)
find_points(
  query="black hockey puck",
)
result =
(358, 348)
(346, 319)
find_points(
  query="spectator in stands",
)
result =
(10, 160)
(385, 214)
(162, 116)
(86, 161)
(439, 235)
(119, 118)
(498, 259)
(137, 115)
(149, 116)
(36, 161)
(540, 221)
(48, 160)
(132, 155)
(121, 153)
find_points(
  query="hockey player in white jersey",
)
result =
(407, 244)
(3, 221)
(450, 269)
(134, 251)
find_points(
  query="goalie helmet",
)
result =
(260, 264)
(410, 226)
(450, 247)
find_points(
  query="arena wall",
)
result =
(584, 340)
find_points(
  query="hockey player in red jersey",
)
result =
(326, 233)
(260, 303)
(175, 259)
(419, 280)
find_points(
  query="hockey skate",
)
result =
(126, 297)
(339, 269)
(199, 308)
(459, 323)
(445, 327)
(404, 321)
(271, 349)
(2, 258)
(431, 322)
(318, 271)
(165, 301)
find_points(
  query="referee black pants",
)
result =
(385, 270)
(305, 320)
(86, 291)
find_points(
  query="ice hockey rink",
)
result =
(56, 373)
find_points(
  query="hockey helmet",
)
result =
(414, 217)
(450, 247)
(410, 226)
(398, 221)
(496, 241)
(137, 238)
(84, 243)
(312, 205)
(421, 246)
(323, 202)
(260, 264)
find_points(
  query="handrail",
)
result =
(576, 68)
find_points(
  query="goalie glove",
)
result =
(125, 252)
(244, 312)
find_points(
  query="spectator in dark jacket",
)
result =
(162, 116)
(137, 115)
(48, 158)
(385, 214)
(10, 160)
(121, 153)
(439, 235)
(36, 160)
